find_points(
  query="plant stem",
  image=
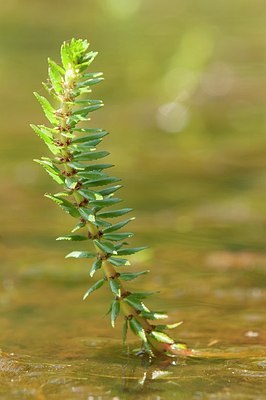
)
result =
(68, 169)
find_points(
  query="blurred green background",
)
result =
(185, 99)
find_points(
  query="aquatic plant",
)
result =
(88, 190)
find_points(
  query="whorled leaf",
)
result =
(89, 138)
(115, 309)
(161, 337)
(90, 156)
(118, 262)
(129, 251)
(129, 276)
(94, 287)
(74, 238)
(52, 170)
(95, 267)
(137, 328)
(56, 76)
(102, 181)
(115, 287)
(49, 111)
(116, 227)
(114, 213)
(168, 326)
(115, 237)
(66, 205)
(80, 254)
(106, 247)
(153, 315)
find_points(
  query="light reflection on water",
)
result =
(56, 346)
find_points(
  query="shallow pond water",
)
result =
(57, 347)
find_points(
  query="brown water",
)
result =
(185, 103)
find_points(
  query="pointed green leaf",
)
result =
(168, 326)
(120, 245)
(93, 75)
(72, 120)
(87, 214)
(87, 60)
(52, 170)
(55, 75)
(115, 287)
(76, 238)
(90, 194)
(71, 183)
(62, 194)
(102, 181)
(95, 266)
(65, 55)
(153, 315)
(135, 302)
(115, 213)
(90, 82)
(66, 205)
(148, 349)
(86, 146)
(89, 167)
(93, 155)
(87, 102)
(96, 286)
(49, 89)
(80, 254)
(88, 130)
(137, 329)
(92, 175)
(47, 108)
(78, 226)
(46, 136)
(118, 262)
(116, 227)
(89, 138)
(86, 110)
(129, 251)
(110, 190)
(49, 131)
(114, 312)
(107, 247)
(161, 337)
(105, 202)
(129, 276)
(143, 295)
(117, 236)
(101, 222)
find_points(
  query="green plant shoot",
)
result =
(88, 195)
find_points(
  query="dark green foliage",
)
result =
(88, 190)
(115, 310)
